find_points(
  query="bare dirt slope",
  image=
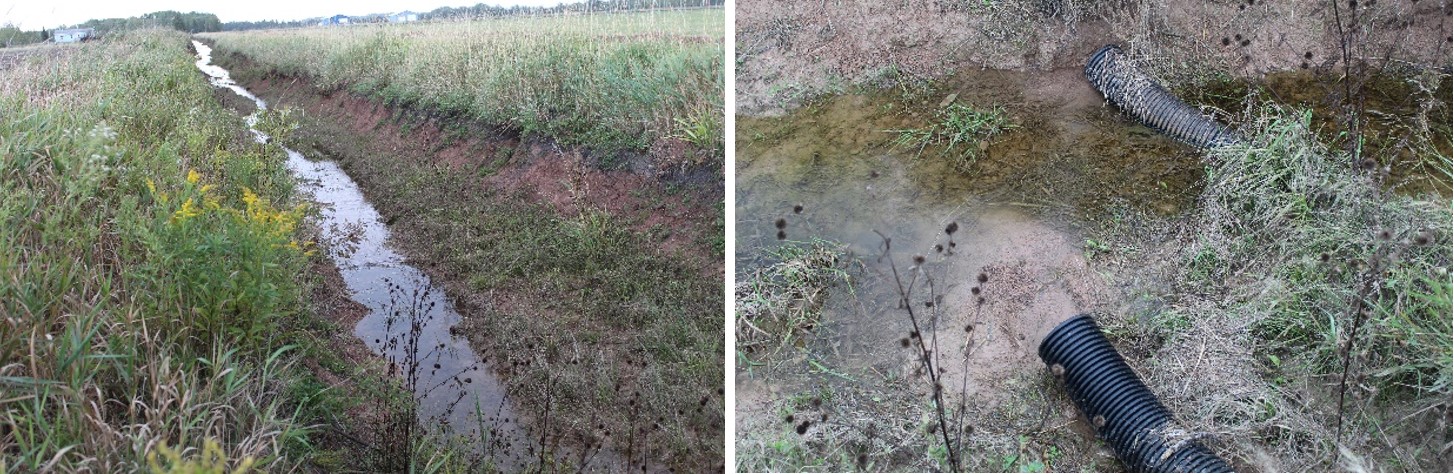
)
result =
(791, 50)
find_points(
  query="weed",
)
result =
(927, 351)
(963, 131)
(776, 301)
(703, 129)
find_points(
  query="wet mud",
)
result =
(1012, 268)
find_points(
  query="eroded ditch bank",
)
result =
(560, 270)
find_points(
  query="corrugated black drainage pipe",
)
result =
(1123, 84)
(1123, 411)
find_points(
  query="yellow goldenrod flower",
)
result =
(193, 176)
(158, 195)
(249, 197)
(187, 211)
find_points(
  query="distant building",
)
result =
(334, 20)
(72, 35)
(403, 17)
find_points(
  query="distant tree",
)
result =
(10, 35)
(266, 24)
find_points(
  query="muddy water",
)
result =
(1073, 164)
(410, 321)
(1021, 213)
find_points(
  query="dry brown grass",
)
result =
(1264, 287)
(776, 301)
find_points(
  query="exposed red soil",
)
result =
(544, 172)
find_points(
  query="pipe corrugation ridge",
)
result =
(1123, 411)
(1122, 83)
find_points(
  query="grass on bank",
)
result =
(606, 81)
(153, 277)
(1298, 267)
(147, 256)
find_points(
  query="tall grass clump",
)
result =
(608, 81)
(963, 131)
(1337, 245)
(147, 257)
(1304, 275)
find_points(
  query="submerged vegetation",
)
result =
(149, 253)
(776, 301)
(963, 131)
(605, 81)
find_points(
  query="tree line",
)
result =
(190, 22)
(480, 10)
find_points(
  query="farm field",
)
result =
(630, 81)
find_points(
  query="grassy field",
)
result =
(610, 82)
(148, 256)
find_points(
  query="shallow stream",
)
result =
(410, 320)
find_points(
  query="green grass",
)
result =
(154, 278)
(606, 81)
(1332, 242)
(1296, 263)
(147, 256)
(963, 131)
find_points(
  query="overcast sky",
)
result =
(35, 14)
